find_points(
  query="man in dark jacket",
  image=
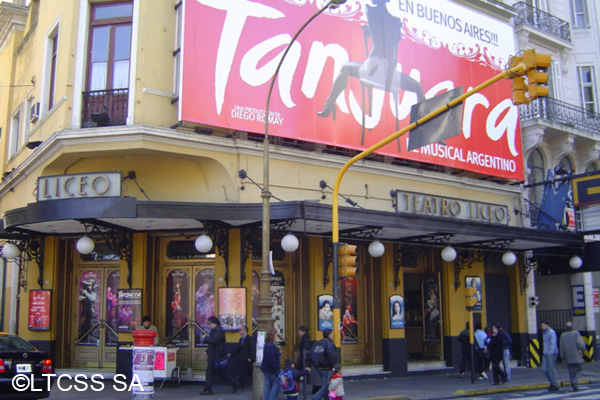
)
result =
(465, 350)
(245, 349)
(322, 356)
(214, 352)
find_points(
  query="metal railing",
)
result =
(557, 319)
(542, 21)
(560, 112)
(105, 108)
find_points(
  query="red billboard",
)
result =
(353, 74)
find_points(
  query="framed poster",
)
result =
(349, 316)
(396, 312)
(431, 309)
(475, 281)
(325, 302)
(129, 309)
(39, 309)
(232, 308)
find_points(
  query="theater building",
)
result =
(132, 128)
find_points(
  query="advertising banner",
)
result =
(352, 76)
(129, 309)
(39, 309)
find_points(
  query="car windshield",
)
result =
(10, 342)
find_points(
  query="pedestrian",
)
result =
(465, 350)
(549, 356)
(288, 379)
(147, 324)
(506, 345)
(486, 350)
(571, 348)
(270, 366)
(303, 346)
(215, 353)
(322, 357)
(496, 350)
(336, 383)
(246, 351)
(479, 339)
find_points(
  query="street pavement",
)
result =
(440, 385)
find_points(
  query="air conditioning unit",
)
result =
(34, 112)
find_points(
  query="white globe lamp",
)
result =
(509, 258)
(289, 243)
(203, 243)
(10, 251)
(85, 245)
(376, 249)
(449, 254)
(575, 262)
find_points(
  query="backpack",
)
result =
(286, 380)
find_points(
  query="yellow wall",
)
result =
(387, 285)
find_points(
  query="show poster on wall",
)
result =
(349, 299)
(90, 289)
(325, 302)
(178, 310)
(278, 310)
(396, 312)
(39, 309)
(204, 303)
(129, 309)
(475, 281)
(232, 308)
(351, 78)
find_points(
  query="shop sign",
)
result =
(578, 300)
(439, 206)
(416, 49)
(73, 186)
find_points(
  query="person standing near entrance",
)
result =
(549, 356)
(303, 347)
(147, 324)
(323, 356)
(215, 351)
(246, 351)
(495, 348)
(465, 350)
(571, 348)
(479, 339)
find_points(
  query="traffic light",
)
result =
(537, 77)
(470, 297)
(519, 90)
(347, 260)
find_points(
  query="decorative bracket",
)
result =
(251, 240)
(117, 240)
(405, 255)
(31, 249)
(529, 265)
(369, 232)
(465, 259)
(220, 237)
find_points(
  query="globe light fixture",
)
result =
(449, 254)
(509, 258)
(289, 243)
(575, 262)
(203, 243)
(85, 245)
(10, 251)
(376, 249)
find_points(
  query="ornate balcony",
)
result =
(562, 113)
(105, 108)
(542, 21)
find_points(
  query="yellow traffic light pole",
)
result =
(516, 70)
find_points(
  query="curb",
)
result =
(462, 393)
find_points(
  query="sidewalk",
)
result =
(430, 386)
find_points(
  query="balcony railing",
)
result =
(542, 21)
(562, 113)
(105, 108)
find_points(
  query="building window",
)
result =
(106, 98)
(15, 134)
(593, 167)
(535, 164)
(110, 46)
(587, 88)
(177, 51)
(567, 165)
(580, 14)
(53, 47)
